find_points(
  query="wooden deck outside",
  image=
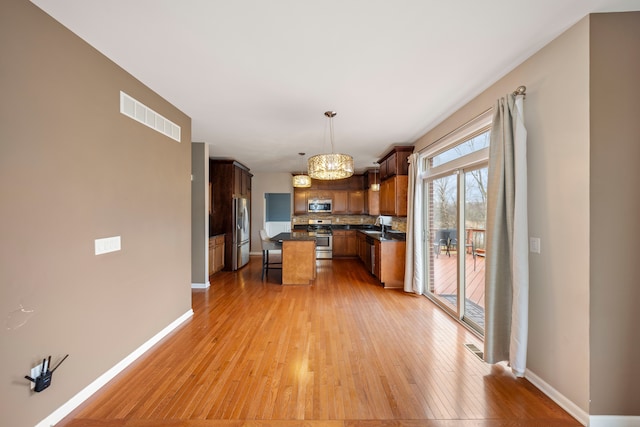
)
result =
(445, 267)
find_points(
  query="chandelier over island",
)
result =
(332, 165)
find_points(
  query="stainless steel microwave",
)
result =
(319, 206)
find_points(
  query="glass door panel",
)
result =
(443, 225)
(475, 214)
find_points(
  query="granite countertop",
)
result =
(293, 235)
(388, 235)
(368, 229)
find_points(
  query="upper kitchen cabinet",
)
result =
(394, 169)
(346, 194)
(356, 202)
(348, 202)
(372, 202)
(395, 163)
(340, 202)
(231, 177)
(241, 181)
(299, 202)
(371, 196)
(393, 196)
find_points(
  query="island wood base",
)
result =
(298, 262)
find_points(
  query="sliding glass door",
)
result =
(475, 220)
(455, 223)
(443, 213)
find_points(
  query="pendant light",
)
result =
(301, 180)
(330, 166)
(376, 185)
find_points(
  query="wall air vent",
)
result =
(145, 115)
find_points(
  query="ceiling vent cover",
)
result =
(145, 115)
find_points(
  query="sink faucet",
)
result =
(380, 221)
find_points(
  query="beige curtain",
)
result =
(507, 258)
(413, 277)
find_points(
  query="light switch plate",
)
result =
(534, 245)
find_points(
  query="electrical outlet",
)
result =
(37, 370)
(42, 374)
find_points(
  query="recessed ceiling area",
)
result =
(257, 76)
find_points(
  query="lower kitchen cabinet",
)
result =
(383, 258)
(362, 247)
(345, 243)
(216, 254)
(389, 262)
(298, 262)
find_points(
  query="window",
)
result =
(278, 207)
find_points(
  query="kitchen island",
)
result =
(298, 257)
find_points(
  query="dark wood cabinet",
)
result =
(393, 196)
(362, 248)
(299, 202)
(372, 202)
(345, 243)
(241, 182)
(344, 202)
(348, 202)
(389, 262)
(229, 180)
(355, 202)
(340, 202)
(394, 169)
(395, 163)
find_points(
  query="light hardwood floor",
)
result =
(343, 352)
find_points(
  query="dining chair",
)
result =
(268, 245)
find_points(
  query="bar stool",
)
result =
(268, 245)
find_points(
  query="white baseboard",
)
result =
(200, 285)
(614, 421)
(574, 410)
(85, 393)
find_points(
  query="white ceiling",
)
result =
(256, 76)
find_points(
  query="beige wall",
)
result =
(557, 121)
(614, 207)
(73, 169)
(582, 116)
(262, 183)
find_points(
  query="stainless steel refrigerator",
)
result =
(241, 232)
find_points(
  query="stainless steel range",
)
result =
(321, 230)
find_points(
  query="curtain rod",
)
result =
(520, 90)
